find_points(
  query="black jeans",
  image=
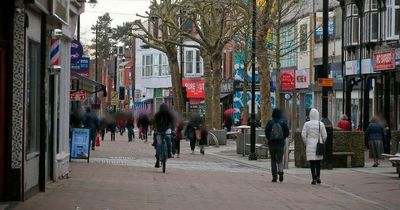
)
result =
(176, 146)
(315, 166)
(192, 143)
(276, 159)
(112, 135)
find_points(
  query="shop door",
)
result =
(2, 118)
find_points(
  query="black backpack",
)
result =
(276, 132)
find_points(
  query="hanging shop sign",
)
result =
(114, 98)
(302, 78)
(81, 67)
(60, 10)
(194, 88)
(384, 60)
(76, 51)
(80, 144)
(325, 82)
(288, 81)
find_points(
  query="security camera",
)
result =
(56, 33)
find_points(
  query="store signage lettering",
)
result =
(81, 67)
(384, 61)
(194, 88)
(288, 80)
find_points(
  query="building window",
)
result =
(352, 25)
(189, 62)
(198, 62)
(32, 98)
(164, 66)
(371, 21)
(147, 65)
(156, 64)
(393, 19)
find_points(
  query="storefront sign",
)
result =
(76, 51)
(331, 24)
(227, 86)
(194, 88)
(384, 61)
(366, 66)
(352, 67)
(302, 78)
(80, 143)
(81, 67)
(288, 82)
(77, 96)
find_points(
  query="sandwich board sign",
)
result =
(80, 144)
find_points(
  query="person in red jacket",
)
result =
(344, 123)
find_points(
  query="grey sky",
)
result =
(120, 11)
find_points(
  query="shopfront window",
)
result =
(32, 98)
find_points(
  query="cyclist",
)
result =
(163, 126)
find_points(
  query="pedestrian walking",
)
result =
(374, 138)
(121, 125)
(344, 123)
(143, 125)
(176, 143)
(276, 133)
(103, 126)
(130, 125)
(112, 127)
(92, 123)
(163, 127)
(203, 138)
(190, 135)
(313, 132)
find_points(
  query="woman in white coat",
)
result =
(311, 131)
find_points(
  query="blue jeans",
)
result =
(159, 144)
(131, 133)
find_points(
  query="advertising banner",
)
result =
(81, 66)
(76, 51)
(302, 78)
(194, 88)
(288, 81)
(366, 66)
(80, 143)
(331, 24)
(352, 67)
(384, 60)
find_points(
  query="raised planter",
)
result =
(221, 136)
(342, 142)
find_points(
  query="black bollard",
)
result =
(327, 162)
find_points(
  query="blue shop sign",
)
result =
(76, 51)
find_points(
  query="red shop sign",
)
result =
(194, 88)
(384, 61)
(288, 82)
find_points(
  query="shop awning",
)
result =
(223, 95)
(97, 86)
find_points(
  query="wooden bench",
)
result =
(348, 154)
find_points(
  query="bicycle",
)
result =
(163, 155)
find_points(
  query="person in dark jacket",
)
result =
(190, 132)
(163, 127)
(276, 132)
(143, 125)
(203, 139)
(374, 138)
(103, 126)
(92, 123)
(130, 125)
(176, 143)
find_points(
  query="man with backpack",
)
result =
(276, 132)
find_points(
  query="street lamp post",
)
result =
(95, 74)
(325, 90)
(252, 155)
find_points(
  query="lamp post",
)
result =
(95, 74)
(252, 155)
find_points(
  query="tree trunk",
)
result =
(265, 88)
(216, 85)
(175, 80)
(208, 86)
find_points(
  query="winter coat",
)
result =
(311, 131)
(345, 125)
(374, 132)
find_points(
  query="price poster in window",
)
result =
(80, 144)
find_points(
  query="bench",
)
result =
(260, 147)
(396, 163)
(348, 154)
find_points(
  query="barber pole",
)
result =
(55, 52)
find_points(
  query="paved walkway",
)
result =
(121, 175)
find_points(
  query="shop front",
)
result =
(195, 94)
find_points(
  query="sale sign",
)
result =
(288, 80)
(77, 96)
(194, 88)
(384, 60)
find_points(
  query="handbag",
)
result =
(198, 134)
(320, 145)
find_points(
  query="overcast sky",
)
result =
(120, 11)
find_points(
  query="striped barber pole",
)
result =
(55, 52)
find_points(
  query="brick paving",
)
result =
(121, 175)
